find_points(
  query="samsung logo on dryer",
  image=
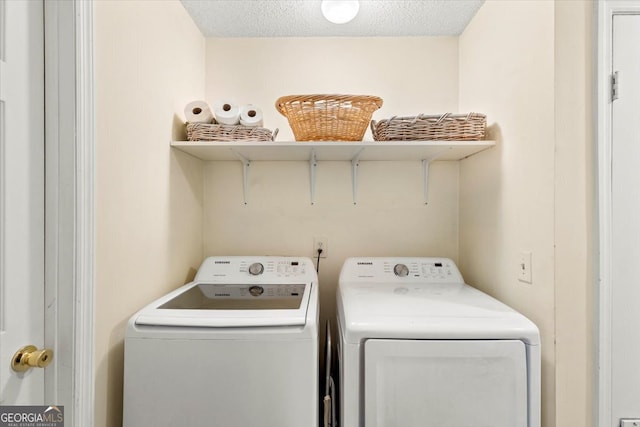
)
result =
(221, 295)
(365, 263)
(222, 262)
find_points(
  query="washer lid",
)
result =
(230, 305)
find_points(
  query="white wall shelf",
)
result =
(314, 152)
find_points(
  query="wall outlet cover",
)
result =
(320, 243)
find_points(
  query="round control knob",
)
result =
(401, 270)
(256, 269)
(256, 291)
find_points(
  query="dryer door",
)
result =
(425, 383)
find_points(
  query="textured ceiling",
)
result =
(302, 18)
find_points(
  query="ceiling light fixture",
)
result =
(340, 11)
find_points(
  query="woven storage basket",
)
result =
(447, 127)
(226, 133)
(328, 117)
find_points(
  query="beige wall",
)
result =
(507, 193)
(534, 192)
(412, 75)
(574, 203)
(149, 63)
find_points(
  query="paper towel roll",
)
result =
(227, 113)
(198, 112)
(250, 115)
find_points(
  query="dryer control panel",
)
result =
(400, 270)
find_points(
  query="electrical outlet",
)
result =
(524, 267)
(320, 243)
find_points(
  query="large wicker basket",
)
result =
(226, 133)
(447, 127)
(328, 117)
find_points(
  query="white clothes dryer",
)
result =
(238, 346)
(420, 348)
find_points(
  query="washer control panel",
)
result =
(392, 270)
(237, 269)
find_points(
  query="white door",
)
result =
(21, 196)
(425, 383)
(625, 222)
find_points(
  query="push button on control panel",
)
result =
(290, 269)
(436, 270)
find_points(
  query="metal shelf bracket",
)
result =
(425, 180)
(313, 164)
(425, 173)
(355, 164)
(246, 164)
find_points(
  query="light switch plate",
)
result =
(524, 267)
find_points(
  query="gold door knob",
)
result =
(30, 357)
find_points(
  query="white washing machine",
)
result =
(420, 348)
(238, 346)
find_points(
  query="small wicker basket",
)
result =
(226, 133)
(447, 127)
(328, 117)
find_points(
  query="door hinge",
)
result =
(615, 85)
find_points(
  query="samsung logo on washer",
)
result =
(365, 263)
